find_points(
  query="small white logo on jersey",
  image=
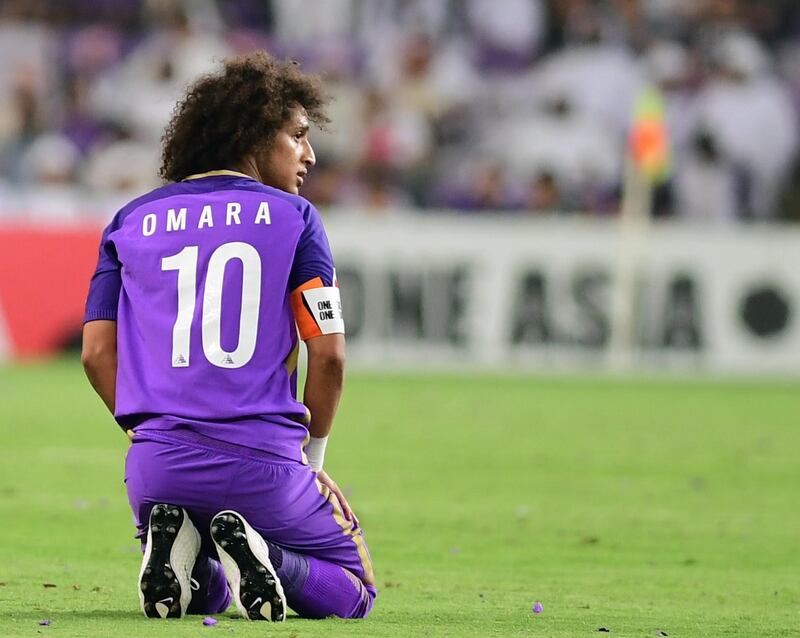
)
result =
(227, 360)
(180, 360)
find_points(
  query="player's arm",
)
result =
(318, 312)
(99, 358)
(324, 339)
(324, 381)
(323, 389)
(99, 353)
(317, 309)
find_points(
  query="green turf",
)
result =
(632, 505)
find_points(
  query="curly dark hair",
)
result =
(226, 115)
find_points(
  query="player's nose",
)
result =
(309, 158)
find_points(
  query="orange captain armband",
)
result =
(317, 309)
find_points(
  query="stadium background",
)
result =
(499, 200)
(469, 141)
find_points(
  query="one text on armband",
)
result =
(204, 216)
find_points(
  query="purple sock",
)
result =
(317, 589)
(291, 568)
(212, 596)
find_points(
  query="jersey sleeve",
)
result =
(106, 283)
(315, 296)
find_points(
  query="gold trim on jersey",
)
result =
(290, 362)
(303, 456)
(215, 174)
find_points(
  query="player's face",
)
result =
(286, 161)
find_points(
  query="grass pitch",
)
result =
(636, 506)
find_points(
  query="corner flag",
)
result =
(649, 140)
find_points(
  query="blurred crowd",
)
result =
(474, 105)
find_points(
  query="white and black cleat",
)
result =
(244, 555)
(165, 580)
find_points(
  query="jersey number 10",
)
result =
(185, 262)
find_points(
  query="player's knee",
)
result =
(365, 603)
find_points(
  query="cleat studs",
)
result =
(261, 569)
(144, 586)
(223, 543)
(155, 529)
(175, 512)
(172, 529)
(169, 573)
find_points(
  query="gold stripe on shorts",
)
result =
(349, 530)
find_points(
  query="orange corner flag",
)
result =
(649, 139)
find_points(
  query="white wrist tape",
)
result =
(315, 452)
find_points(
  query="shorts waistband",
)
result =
(189, 437)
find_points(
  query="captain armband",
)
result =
(317, 309)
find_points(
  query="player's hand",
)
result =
(322, 477)
(130, 434)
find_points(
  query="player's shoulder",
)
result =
(304, 207)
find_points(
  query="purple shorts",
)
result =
(281, 499)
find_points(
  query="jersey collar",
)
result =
(216, 174)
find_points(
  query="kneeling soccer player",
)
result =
(190, 338)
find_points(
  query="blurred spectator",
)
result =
(472, 104)
(669, 65)
(706, 183)
(51, 163)
(330, 183)
(123, 165)
(790, 199)
(506, 40)
(577, 150)
(597, 75)
(544, 195)
(141, 93)
(748, 113)
(78, 122)
(484, 187)
(51, 160)
(394, 137)
(24, 121)
(379, 191)
(27, 49)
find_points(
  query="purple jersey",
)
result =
(199, 276)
